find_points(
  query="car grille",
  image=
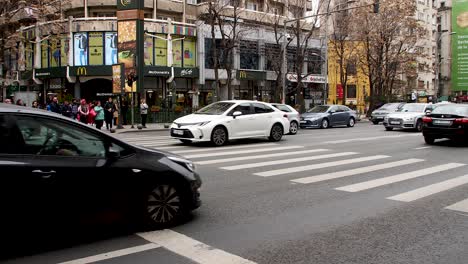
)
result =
(187, 134)
(394, 121)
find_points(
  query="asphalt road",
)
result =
(342, 195)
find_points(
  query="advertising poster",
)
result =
(460, 45)
(96, 54)
(54, 54)
(29, 55)
(80, 45)
(117, 78)
(111, 48)
(177, 52)
(64, 48)
(160, 51)
(45, 54)
(189, 52)
(149, 51)
(127, 45)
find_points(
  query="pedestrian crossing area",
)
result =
(313, 165)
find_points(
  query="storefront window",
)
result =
(314, 62)
(190, 52)
(64, 48)
(177, 51)
(29, 56)
(149, 51)
(160, 51)
(111, 48)
(81, 49)
(249, 56)
(96, 55)
(222, 54)
(273, 57)
(291, 57)
(54, 52)
(45, 54)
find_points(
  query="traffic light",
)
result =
(376, 6)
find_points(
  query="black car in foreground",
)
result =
(446, 121)
(57, 173)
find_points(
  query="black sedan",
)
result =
(57, 173)
(446, 121)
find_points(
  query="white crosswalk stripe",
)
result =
(248, 151)
(430, 189)
(286, 161)
(461, 206)
(224, 148)
(346, 173)
(318, 166)
(252, 157)
(398, 178)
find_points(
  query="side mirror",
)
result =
(113, 154)
(332, 111)
(236, 114)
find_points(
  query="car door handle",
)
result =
(44, 174)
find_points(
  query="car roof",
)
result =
(241, 101)
(11, 108)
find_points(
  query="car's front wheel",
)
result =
(419, 125)
(276, 133)
(219, 136)
(325, 124)
(351, 122)
(164, 206)
(293, 128)
(429, 140)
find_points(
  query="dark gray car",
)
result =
(325, 116)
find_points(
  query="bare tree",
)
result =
(389, 38)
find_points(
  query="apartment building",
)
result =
(70, 53)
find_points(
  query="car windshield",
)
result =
(451, 110)
(412, 108)
(215, 108)
(319, 109)
(389, 107)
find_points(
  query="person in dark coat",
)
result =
(67, 109)
(124, 109)
(109, 113)
(54, 106)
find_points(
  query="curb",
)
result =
(130, 130)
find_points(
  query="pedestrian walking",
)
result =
(83, 112)
(66, 109)
(116, 113)
(92, 114)
(99, 120)
(109, 113)
(75, 106)
(143, 112)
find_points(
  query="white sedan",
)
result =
(222, 121)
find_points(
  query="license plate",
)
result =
(178, 132)
(442, 122)
(394, 123)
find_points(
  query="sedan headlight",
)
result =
(184, 163)
(313, 118)
(408, 119)
(203, 123)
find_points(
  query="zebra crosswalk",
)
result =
(313, 165)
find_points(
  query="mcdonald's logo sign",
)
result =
(125, 2)
(242, 75)
(81, 71)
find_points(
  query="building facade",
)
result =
(71, 54)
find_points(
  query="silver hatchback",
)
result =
(293, 117)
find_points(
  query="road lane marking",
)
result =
(461, 206)
(113, 254)
(192, 249)
(346, 173)
(168, 148)
(225, 148)
(422, 148)
(368, 139)
(286, 161)
(282, 154)
(430, 189)
(398, 178)
(318, 166)
(226, 153)
(145, 138)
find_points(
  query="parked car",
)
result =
(226, 120)
(325, 116)
(409, 116)
(378, 115)
(446, 121)
(293, 117)
(58, 172)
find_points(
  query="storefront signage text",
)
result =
(251, 75)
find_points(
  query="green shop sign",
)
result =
(130, 4)
(460, 45)
(47, 73)
(250, 75)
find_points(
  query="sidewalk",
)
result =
(149, 128)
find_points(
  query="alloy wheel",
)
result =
(351, 122)
(293, 128)
(163, 204)
(276, 133)
(419, 125)
(219, 136)
(324, 123)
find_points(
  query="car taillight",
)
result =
(461, 121)
(427, 119)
